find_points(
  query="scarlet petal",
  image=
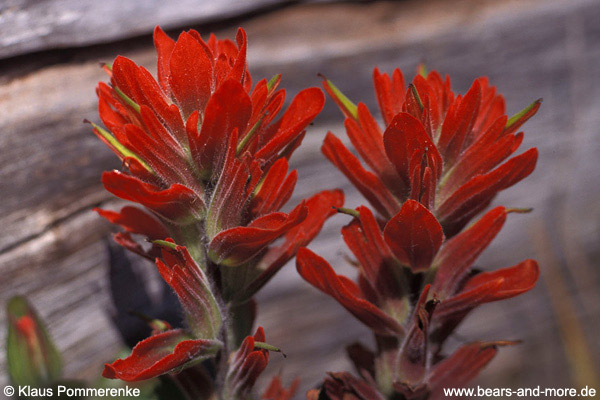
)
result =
(515, 280)
(365, 239)
(304, 108)
(367, 139)
(390, 95)
(193, 289)
(319, 273)
(228, 108)
(414, 236)
(134, 220)
(320, 207)
(486, 287)
(459, 253)
(173, 203)
(470, 198)
(460, 367)
(276, 391)
(275, 189)
(238, 245)
(248, 363)
(191, 73)
(164, 47)
(366, 182)
(160, 354)
(406, 136)
(458, 123)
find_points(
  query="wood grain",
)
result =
(28, 26)
(52, 245)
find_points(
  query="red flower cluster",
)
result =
(207, 156)
(437, 164)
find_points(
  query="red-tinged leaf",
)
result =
(470, 198)
(176, 203)
(229, 108)
(164, 47)
(390, 93)
(458, 369)
(276, 391)
(405, 136)
(274, 190)
(459, 253)
(191, 78)
(320, 207)
(515, 280)
(458, 124)
(238, 245)
(161, 354)
(134, 220)
(367, 183)
(414, 236)
(304, 108)
(319, 273)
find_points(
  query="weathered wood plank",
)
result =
(28, 26)
(51, 164)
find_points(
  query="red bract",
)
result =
(438, 148)
(276, 391)
(437, 164)
(248, 363)
(160, 354)
(206, 154)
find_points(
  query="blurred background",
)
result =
(56, 251)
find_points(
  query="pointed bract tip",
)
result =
(165, 243)
(518, 210)
(348, 211)
(422, 70)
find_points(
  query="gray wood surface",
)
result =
(27, 26)
(52, 246)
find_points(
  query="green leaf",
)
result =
(124, 151)
(31, 355)
(524, 114)
(273, 81)
(348, 106)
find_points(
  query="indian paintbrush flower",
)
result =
(436, 165)
(206, 155)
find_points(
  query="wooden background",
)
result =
(54, 249)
